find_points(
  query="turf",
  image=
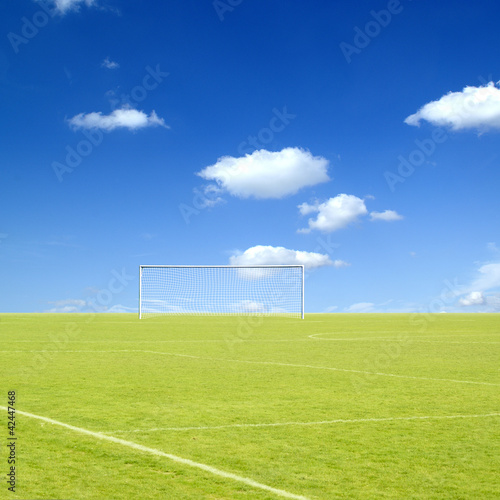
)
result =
(333, 406)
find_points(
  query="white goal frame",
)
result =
(147, 289)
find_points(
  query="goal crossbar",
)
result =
(221, 289)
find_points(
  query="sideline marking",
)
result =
(321, 422)
(174, 458)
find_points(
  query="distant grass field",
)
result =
(334, 406)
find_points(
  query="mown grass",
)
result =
(209, 383)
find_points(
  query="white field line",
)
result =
(407, 335)
(313, 336)
(321, 422)
(159, 453)
(149, 341)
(392, 339)
(273, 363)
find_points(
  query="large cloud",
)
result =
(268, 255)
(473, 108)
(120, 118)
(266, 174)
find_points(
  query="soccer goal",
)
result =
(236, 290)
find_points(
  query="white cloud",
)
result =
(64, 6)
(340, 263)
(67, 306)
(473, 108)
(492, 247)
(119, 308)
(120, 118)
(109, 64)
(306, 208)
(361, 307)
(473, 299)
(386, 215)
(269, 255)
(86, 306)
(210, 196)
(250, 306)
(266, 174)
(493, 302)
(331, 309)
(335, 213)
(489, 278)
(483, 292)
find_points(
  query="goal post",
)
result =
(221, 290)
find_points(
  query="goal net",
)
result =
(238, 290)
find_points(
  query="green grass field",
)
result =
(334, 406)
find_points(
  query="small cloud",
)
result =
(484, 291)
(472, 299)
(118, 308)
(361, 307)
(334, 214)
(269, 255)
(387, 215)
(109, 64)
(489, 277)
(341, 211)
(64, 6)
(492, 247)
(250, 306)
(306, 208)
(128, 118)
(340, 263)
(210, 196)
(67, 306)
(331, 309)
(265, 174)
(473, 108)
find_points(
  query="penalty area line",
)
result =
(159, 453)
(271, 363)
(321, 422)
(313, 367)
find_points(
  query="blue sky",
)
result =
(360, 139)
